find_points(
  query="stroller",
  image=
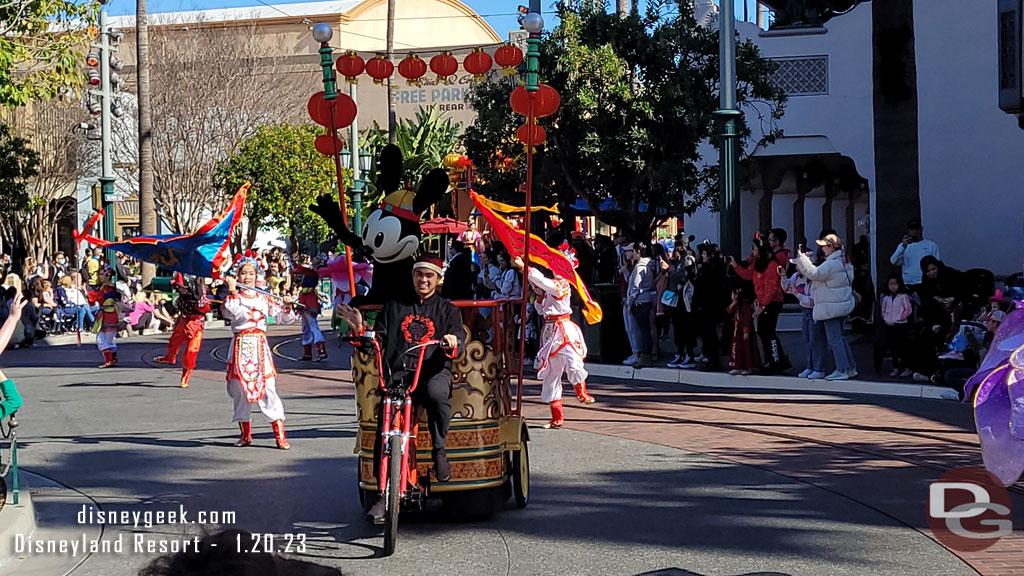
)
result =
(979, 285)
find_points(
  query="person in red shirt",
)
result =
(107, 319)
(188, 327)
(744, 356)
(763, 270)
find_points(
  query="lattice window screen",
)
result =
(1007, 50)
(806, 76)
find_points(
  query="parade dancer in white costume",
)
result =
(251, 374)
(562, 346)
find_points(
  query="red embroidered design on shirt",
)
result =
(417, 329)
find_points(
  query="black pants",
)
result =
(711, 346)
(923, 350)
(144, 321)
(434, 394)
(896, 336)
(774, 355)
(956, 378)
(683, 328)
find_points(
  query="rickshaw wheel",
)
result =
(394, 494)
(521, 474)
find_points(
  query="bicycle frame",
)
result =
(389, 426)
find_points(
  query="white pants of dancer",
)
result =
(105, 340)
(311, 333)
(270, 404)
(565, 361)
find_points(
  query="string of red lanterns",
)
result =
(413, 68)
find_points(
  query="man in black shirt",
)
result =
(404, 324)
(458, 281)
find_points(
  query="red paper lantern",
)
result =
(380, 68)
(412, 68)
(509, 57)
(344, 108)
(351, 65)
(314, 108)
(478, 63)
(444, 65)
(345, 111)
(538, 136)
(327, 145)
(545, 101)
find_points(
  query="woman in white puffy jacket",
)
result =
(832, 291)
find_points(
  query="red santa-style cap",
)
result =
(429, 262)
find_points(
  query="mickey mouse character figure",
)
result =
(392, 232)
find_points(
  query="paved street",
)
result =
(656, 478)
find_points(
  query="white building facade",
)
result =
(970, 154)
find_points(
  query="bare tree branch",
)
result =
(212, 86)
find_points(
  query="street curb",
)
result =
(787, 383)
(15, 519)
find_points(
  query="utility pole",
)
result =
(392, 118)
(102, 63)
(728, 203)
(106, 95)
(147, 203)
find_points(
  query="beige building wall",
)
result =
(418, 24)
(425, 26)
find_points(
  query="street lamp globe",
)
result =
(346, 159)
(322, 32)
(364, 163)
(533, 23)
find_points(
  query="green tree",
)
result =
(18, 164)
(424, 142)
(638, 94)
(40, 48)
(287, 174)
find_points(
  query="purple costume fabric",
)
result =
(999, 404)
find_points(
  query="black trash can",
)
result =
(607, 342)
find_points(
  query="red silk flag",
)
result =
(540, 254)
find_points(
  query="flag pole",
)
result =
(533, 23)
(323, 33)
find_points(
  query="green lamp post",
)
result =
(360, 182)
(728, 202)
(322, 33)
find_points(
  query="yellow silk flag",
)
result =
(503, 208)
(540, 253)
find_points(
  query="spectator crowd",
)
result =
(718, 312)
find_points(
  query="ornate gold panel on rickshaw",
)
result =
(483, 428)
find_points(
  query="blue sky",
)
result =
(500, 14)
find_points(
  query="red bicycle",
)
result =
(397, 431)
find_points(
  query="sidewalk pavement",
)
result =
(44, 515)
(867, 381)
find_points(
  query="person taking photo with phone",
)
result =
(910, 251)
